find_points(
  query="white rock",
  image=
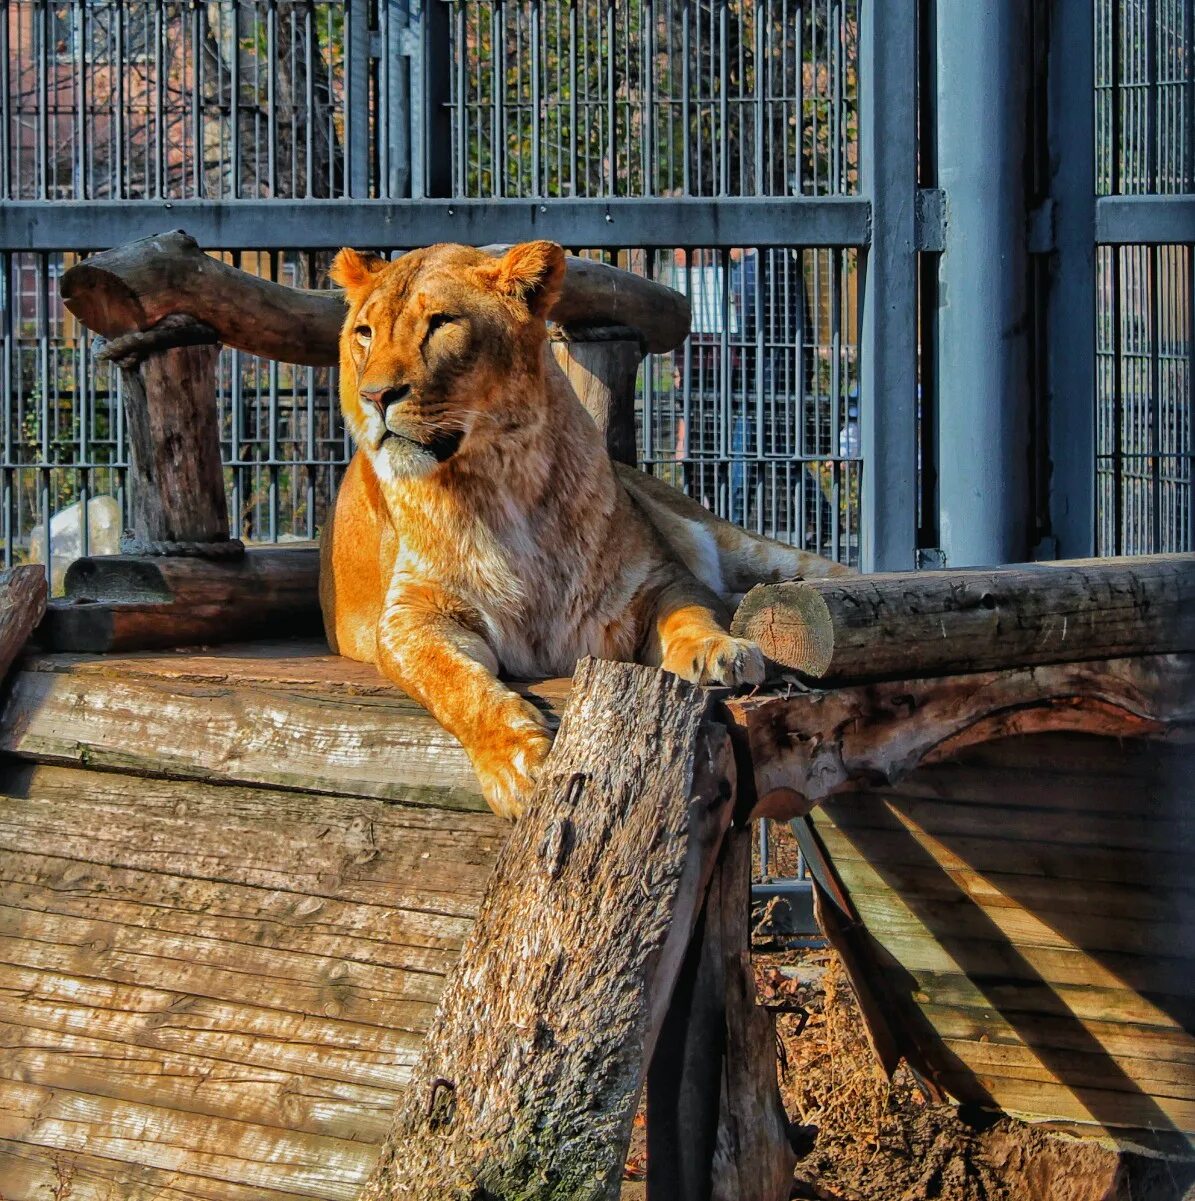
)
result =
(105, 523)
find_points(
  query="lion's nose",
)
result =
(383, 398)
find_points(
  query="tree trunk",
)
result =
(531, 1073)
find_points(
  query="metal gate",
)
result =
(737, 151)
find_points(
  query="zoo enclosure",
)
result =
(799, 167)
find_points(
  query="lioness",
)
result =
(481, 526)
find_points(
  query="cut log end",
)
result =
(790, 624)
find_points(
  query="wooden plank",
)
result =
(1048, 861)
(358, 746)
(806, 746)
(32, 1173)
(1038, 1100)
(530, 1076)
(916, 624)
(305, 1044)
(1173, 1046)
(1029, 1000)
(200, 1145)
(197, 1084)
(418, 860)
(374, 934)
(962, 918)
(1138, 901)
(945, 819)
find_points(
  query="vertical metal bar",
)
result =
(536, 126)
(1155, 401)
(43, 104)
(1071, 307)
(649, 97)
(197, 147)
(431, 166)
(356, 103)
(272, 98)
(234, 104)
(611, 110)
(6, 192)
(401, 111)
(888, 283)
(686, 118)
(983, 89)
(723, 148)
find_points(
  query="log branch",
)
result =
(133, 287)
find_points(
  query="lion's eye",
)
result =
(439, 320)
(363, 334)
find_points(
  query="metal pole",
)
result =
(1071, 313)
(983, 90)
(888, 344)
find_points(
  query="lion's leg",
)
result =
(452, 671)
(689, 638)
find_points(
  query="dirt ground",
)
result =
(875, 1140)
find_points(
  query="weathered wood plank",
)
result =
(197, 1084)
(1045, 861)
(426, 862)
(916, 624)
(1104, 1109)
(531, 1073)
(357, 746)
(200, 1145)
(32, 1173)
(304, 1044)
(23, 593)
(133, 287)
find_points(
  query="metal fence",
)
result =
(288, 123)
(1145, 147)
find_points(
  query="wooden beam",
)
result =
(533, 1067)
(133, 287)
(805, 746)
(916, 624)
(716, 1127)
(140, 602)
(603, 373)
(22, 602)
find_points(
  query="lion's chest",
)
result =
(546, 603)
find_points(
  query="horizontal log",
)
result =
(132, 287)
(933, 623)
(135, 602)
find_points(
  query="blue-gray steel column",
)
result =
(888, 279)
(1071, 312)
(983, 471)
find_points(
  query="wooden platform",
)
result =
(214, 985)
(1028, 914)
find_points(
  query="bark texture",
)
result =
(132, 287)
(533, 1067)
(603, 374)
(22, 603)
(929, 623)
(174, 436)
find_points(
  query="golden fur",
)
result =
(481, 527)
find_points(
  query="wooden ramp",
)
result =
(214, 985)
(1027, 921)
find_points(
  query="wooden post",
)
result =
(532, 1070)
(602, 369)
(716, 1127)
(174, 436)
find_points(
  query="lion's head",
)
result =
(433, 342)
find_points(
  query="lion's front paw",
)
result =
(717, 659)
(509, 762)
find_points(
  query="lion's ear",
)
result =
(353, 270)
(533, 272)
